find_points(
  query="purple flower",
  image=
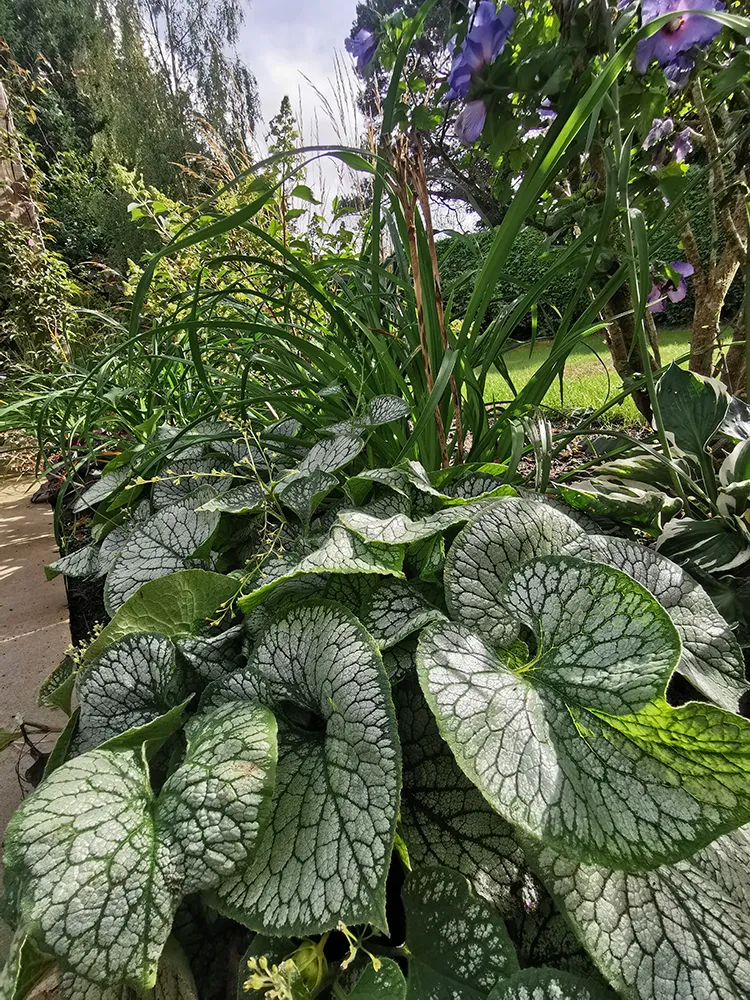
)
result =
(362, 48)
(671, 45)
(666, 287)
(470, 122)
(483, 44)
(682, 147)
(660, 129)
(546, 110)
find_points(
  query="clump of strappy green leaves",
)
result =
(392, 734)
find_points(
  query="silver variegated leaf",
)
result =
(209, 658)
(157, 548)
(488, 550)
(390, 610)
(341, 552)
(249, 498)
(576, 746)
(399, 529)
(133, 682)
(711, 657)
(96, 868)
(385, 983)
(677, 932)
(325, 854)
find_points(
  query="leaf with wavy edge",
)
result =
(458, 944)
(174, 981)
(248, 498)
(96, 867)
(711, 657)
(402, 530)
(325, 854)
(83, 563)
(677, 932)
(341, 552)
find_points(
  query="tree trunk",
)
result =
(16, 203)
(710, 291)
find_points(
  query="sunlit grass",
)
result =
(589, 380)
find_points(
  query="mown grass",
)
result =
(589, 380)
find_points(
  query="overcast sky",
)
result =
(283, 39)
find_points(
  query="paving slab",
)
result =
(34, 631)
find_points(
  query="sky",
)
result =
(283, 39)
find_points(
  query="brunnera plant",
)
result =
(369, 732)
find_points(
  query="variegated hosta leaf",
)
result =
(693, 406)
(718, 545)
(488, 550)
(96, 868)
(133, 682)
(711, 657)
(390, 610)
(678, 932)
(458, 944)
(630, 791)
(83, 562)
(325, 854)
(402, 530)
(174, 606)
(157, 548)
(387, 983)
(248, 498)
(341, 552)
(209, 658)
(623, 500)
(548, 984)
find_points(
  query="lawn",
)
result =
(590, 378)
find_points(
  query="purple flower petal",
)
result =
(682, 267)
(660, 129)
(655, 300)
(682, 146)
(470, 122)
(362, 48)
(678, 36)
(483, 44)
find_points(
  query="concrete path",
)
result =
(34, 631)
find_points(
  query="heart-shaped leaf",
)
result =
(96, 866)
(326, 860)
(711, 657)
(402, 530)
(489, 549)
(390, 610)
